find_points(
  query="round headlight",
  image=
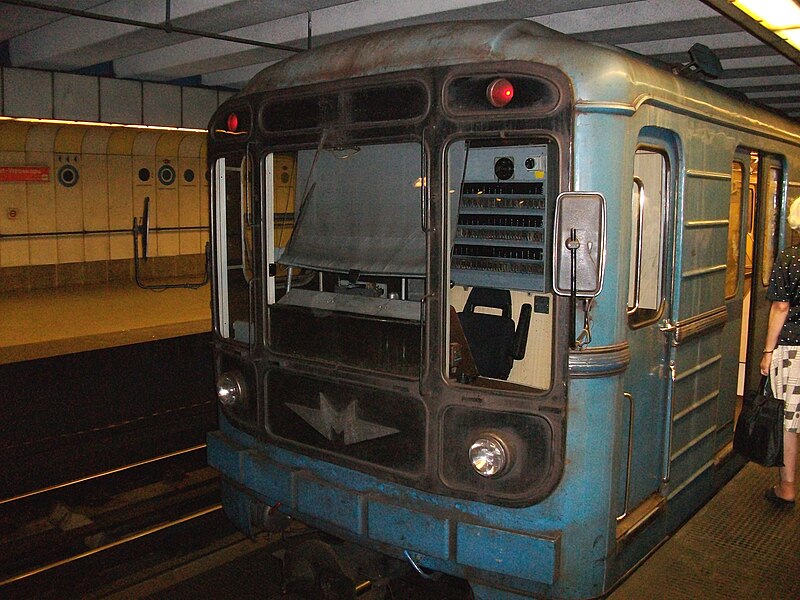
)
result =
(230, 388)
(488, 455)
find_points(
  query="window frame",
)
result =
(733, 264)
(222, 165)
(638, 316)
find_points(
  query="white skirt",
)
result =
(785, 379)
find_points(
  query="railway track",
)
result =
(64, 540)
(154, 529)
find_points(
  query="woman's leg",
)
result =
(786, 489)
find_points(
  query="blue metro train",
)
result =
(484, 295)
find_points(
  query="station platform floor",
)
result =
(738, 546)
(44, 323)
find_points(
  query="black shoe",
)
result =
(777, 500)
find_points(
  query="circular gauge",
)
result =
(504, 168)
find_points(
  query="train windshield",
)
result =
(359, 212)
(350, 276)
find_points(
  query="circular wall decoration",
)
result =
(144, 174)
(68, 175)
(188, 176)
(166, 175)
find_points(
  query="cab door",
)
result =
(648, 381)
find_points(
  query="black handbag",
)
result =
(759, 430)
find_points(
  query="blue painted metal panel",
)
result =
(691, 424)
(693, 457)
(239, 508)
(336, 505)
(411, 529)
(268, 478)
(509, 552)
(224, 456)
(685, 499)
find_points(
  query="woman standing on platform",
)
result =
(781, 358)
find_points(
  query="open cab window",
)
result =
(350, 270)
(233, 213)
(500, 200)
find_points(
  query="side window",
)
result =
(772, 203)
(648, 224)
(279, 217)
(234, 243)
(734, 229)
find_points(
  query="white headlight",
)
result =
(488, 455)
(230, 389)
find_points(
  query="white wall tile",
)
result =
(161, 104)
(76, 97)
(120, 101)
(27, 93)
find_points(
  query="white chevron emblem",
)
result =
(328, 421)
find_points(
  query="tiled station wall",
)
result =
(113, 170)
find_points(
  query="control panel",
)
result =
(501, 235)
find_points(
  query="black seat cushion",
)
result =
(490, 336)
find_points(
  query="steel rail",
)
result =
(124, 540)
(101, 474)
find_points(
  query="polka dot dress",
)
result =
(784, 286)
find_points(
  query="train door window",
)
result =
(648, 224)
(233, 207)
(734, 229)
(770, 239)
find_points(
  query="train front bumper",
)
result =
(435, 532)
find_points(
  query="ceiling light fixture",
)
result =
(782, 17)
(96, 124)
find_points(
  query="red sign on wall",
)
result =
(24, 174)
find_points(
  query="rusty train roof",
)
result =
(604, 78)
(406, 48)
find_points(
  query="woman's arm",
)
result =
(778, 312)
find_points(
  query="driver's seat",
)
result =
(490, 336)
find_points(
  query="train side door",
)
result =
(765, 248)
(647, 379)
(739, 266)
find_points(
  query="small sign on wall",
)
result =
(24, 174)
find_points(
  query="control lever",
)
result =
(521, 334)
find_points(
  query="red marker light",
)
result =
(500, 92)
(233, 122)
